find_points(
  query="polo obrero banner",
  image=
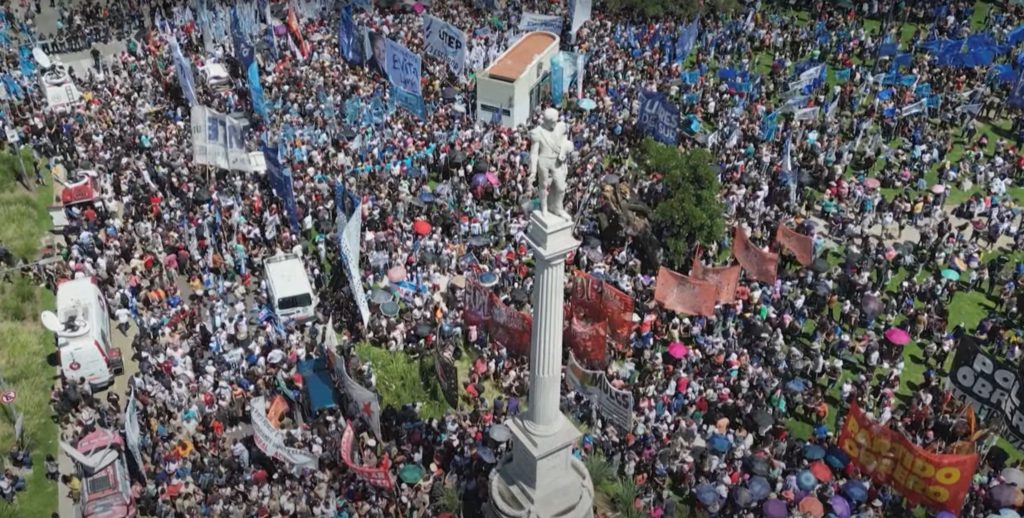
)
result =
(936, 481)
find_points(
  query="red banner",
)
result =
(937, 481)
(588, 341)
(510, 327)
(476, 302)
(802, 246)
(375, 475)
(598, 300)
(293, 27)
(760, 265)
(683, 294)
(726, 279)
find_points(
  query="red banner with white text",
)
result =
(476, 302)
(588, 341)
(375, 475)
(510, 327)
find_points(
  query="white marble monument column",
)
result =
(541, 478)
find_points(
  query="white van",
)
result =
(291, 293)
(82, 328)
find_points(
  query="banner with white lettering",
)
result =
(217, 140)
(349, 221)
(990, 385)
(616, 405)
(270, 440)
(579, 13)
(541, 22)
(445, 42)
(659, 118)
(403, 67)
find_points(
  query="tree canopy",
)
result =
(688, 210)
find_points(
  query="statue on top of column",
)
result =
(549, 155)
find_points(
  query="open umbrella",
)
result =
(819, 265)
(1013, 476)
(938, 188)
(421, 227)
(763, 420)
(820, 471)
(448, 93)
(872, 183)
(423, 329)
(411, 473)
(814, 452)
(719, 443)
(389, 309)
(742, 496)
(897, 336)
(759, 488)
(951, 274)
(380, 296)
(677, 350)
(1006, 495)
(811, 506)
(488, 279)
(836, 458)
(486, 454)
(492, 178)
(1005, 513)
(586, 104)
(839, 506)
(806, 481)
(427, 197)
(872, 305)
(519, 295)
(397, 274)
(855, 490)
(796, 385)
(755, 465)
(707, 495)
(775, 508)
(500, 433)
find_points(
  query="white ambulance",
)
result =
(288, 286)
(82, 329)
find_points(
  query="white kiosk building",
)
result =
(517, 81)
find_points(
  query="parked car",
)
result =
(106, 487)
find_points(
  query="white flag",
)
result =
(832, 107)
(805, 114)
(918, 107)
(811, 73)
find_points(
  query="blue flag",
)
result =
(28, 66)
(691, 77)
(244, 55)
(281, 182)
(687, 40)
(12, 86)
(1016, 97)
(843, 75)
(659, 118)
(183, 70)
(264, 7)
(349, 44)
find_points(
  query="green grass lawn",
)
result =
(26, 345)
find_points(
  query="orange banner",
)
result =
(588, 341)
(293, 27)
(936, 481)
(802, 246)
(726, 279)
(759, 265)
(683, 294)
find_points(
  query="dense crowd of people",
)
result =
(178, 249)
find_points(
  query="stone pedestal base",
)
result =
(541, 478)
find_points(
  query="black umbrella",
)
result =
(348, 132)
(423, 329)
(819, 265)
(756, 465)
(853, 257)
(805, 178)
(458, 157)
(380, 296)
(871, 305)
(591, 242)
(481, 166)
(519, 295)
(822, 289)
(763, 420)
(448, 93)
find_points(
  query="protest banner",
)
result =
(614, 404)
(579, 13)
(246, 58)
(217, 140)
(759, 265)
(270, 440)
(509, 327)
(937, 481)
(445, 42)
(588, 341)
(403, 67)
(989, 385)
(132, 431)
(659, 118)
(476, 302)
(685, 295)
(447, 376)
(600, 301)
(280, 179)
(802, 246)
(725, 278)
(349, 222)
(541, 22)
(350, 43)
(375, 475)
(292, 22)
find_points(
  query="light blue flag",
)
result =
(244, 55)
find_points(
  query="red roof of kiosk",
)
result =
(80, 192)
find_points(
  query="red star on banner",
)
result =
(367, 409)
